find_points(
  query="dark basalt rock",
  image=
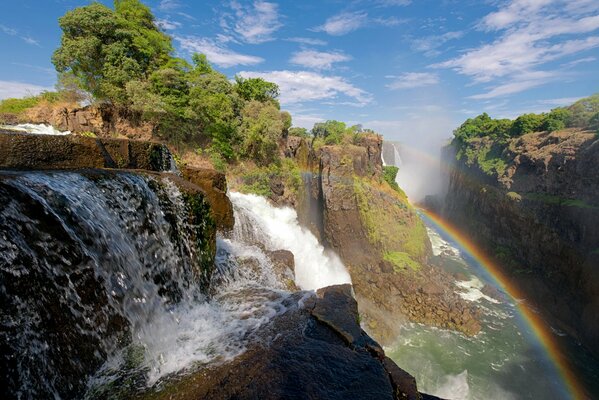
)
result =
(26, 151)
(315, 351)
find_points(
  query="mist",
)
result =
(419, 140)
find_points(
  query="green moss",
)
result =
(88, 134)
(401, 261)
(559, 201)
(514, 196)
(390, 222)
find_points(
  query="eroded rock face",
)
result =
(103, 120)
(382, 241)
(540, 217)
(25, 151)
(317, 351)
(214, 184)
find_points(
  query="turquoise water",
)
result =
(504, 361)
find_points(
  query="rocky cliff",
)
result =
(379, 237)
(533, 202)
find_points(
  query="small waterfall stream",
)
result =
(101, 282)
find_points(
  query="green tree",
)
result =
(261, 129)
(583, 110)
(256, 89)
(106, 49)
(286, 118)
(527, 123)
(557, 119)
(297, 131)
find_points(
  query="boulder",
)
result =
(214, 184)
(25, 151)
(306, 358)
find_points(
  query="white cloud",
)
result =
(346, 22)
(13, 32)
(168, 24)
(307, 41)
(429, 45)
(300, 86)
(255, 23)
(318, 59)
(410, 80)
(167, 5)
(517, 84)
(306, 121)
(216, 52)
(531, 34)
(343, 23)
(562, 101)
(20, 89)
(579, 61)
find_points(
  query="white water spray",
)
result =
(278, 228)
(38, 129)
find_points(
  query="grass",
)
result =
(17, 106)
(401, 261)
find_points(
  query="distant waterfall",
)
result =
(278, 228)
(390, 154)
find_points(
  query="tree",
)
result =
(106, 49)
(261, 129)
(256, 89)
(583, 110)
(286, 118)
(301, 132)
(557, 119)
(527, 123)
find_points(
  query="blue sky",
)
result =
(412, 70)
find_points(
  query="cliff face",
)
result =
(539, 215)
(381, 240)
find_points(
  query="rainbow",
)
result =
(540, 330)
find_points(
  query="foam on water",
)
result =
(441, 246)
(278, 228)
(471, 290)
(38, 129)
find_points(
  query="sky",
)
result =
(412, 70)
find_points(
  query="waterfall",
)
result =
(100, 288)
(396, 156)
(39, 129)
(278, 228)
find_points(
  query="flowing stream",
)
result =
(101, 282)
(504, 361)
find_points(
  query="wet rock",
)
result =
(546, 242)
(283, 262)
(492, 292)
(306, 359)
(24, 151)
(214, 185)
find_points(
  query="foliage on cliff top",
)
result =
(582, 114)
(391, 223)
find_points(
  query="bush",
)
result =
(389, 175)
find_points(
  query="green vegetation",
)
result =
(17, 106)
(557, 200)
(403, 240)
(401, 261)
(389, 175)
(488, 156)
(258, 180)
(336, 132)
(583, 114)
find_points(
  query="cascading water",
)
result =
(102, 271)
(39, 129)
(278, 228)
(101, 282)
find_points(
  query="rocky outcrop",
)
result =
(77, 249)
(381, 240)
(316, 350)
(540, 218)
(25, 151)
(103, 120)
(214, 184)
